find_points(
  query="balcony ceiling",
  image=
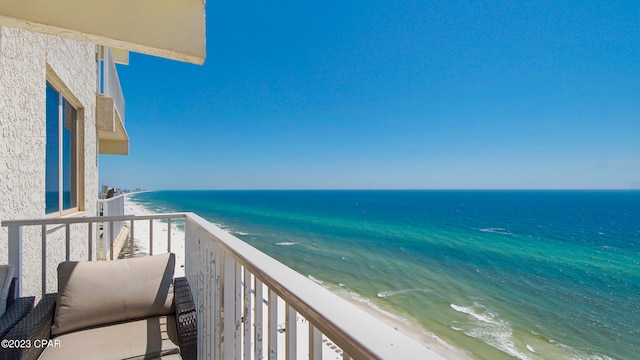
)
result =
(172, 29)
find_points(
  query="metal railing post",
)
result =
(15, 255)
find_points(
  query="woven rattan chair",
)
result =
(17, 309)
(108, 340)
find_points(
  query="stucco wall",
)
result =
(27, 60)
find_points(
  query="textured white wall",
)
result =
(27, 60)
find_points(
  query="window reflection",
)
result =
(61, 153)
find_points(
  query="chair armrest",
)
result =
(11, 297)
(186, 321)
(35, 326)
(18, 309)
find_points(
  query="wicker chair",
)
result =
(111, 339)
(17, 309)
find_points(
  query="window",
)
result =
(61, 154)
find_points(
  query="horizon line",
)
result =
(397, 189)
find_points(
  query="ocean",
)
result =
(500, 274)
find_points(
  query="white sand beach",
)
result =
(141, 235)
(329, 350)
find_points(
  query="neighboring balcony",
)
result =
(110, 114)
(249, 305)
(113, 234)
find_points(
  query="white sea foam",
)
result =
(287, 243)
(488, 327)
(359, 298)
(530, 348)
(386, 294)
(581, 355)
(496, 230)
(486, 317)
(315, 280)
(241, 233)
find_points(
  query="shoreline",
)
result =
(406, 327)
(142, 233)
(411, 330)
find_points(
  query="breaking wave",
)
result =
(386, 294)
(287, 243)
(496, 230)
(488, 327)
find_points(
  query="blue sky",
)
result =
(391, 94)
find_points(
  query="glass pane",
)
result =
(52, 186)
(68, 156)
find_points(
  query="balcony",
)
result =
(110, 115)
(113, 236)
(249, 305)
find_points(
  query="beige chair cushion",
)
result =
(95, 293)
(6, 274)
(150, 338)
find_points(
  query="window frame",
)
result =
(75, 179)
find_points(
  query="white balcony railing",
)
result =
(113, 206)
(236, 289)
(111, 82)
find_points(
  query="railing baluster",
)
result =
(291, 332)
(43, 236)
(258, 306)
(169, 235)
(131, 240)
(111, 240)
(189, 237)
(217, 331)
(238, 310)
(202, 270)
(229, 294)
(205, 274)
(15, 255)
(193, 268)
(102, 240)
(273, 325)
(150, 237)
(90, 236)
(67, 237)
(247, 320)
(315, 343)
(209, 289)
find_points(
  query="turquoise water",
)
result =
(501, 274)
